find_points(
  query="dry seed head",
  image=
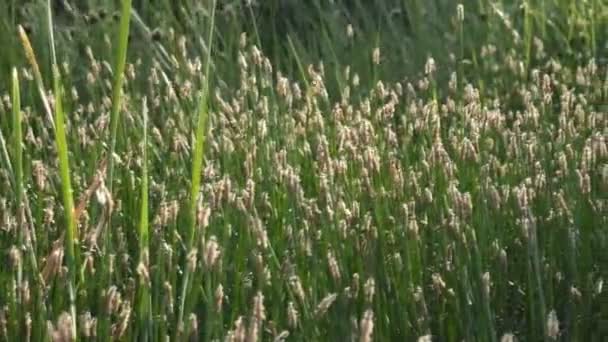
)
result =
(460, 12)
(259, 312)
(144, 273)
(192, 260)
(88, 325)
(193, 327)
(282, 336)
(219, 298)
(369, 289)
(119, 329)
(350, 32)
(503, 258)
(168, 296)
(28, 326)
(325, 304)
(425, 338)
(253, 332)
(584, 182)
(438, 283)
(113, 300)
(14, 256)
(334, 269)
(430, 67)
(576, 294)
(508, 337)
(367, 326)
(486, 284)
(26, 294)
(552, 325)
(293, 317)
(599, 286)
(376, 56)
(52, 266)
(211, 253)
(62, 332)
(296, 286)
(40, 174)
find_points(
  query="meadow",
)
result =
(343, 170)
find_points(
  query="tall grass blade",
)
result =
(119, 68)
(71, 236)
(197, 165)
(18, 164)
(145, 302)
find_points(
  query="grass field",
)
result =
(304, 170)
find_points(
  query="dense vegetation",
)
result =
(304, 170)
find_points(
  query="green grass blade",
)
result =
(119, 68)
(71, 236)
(18, 164)
(71, 233)
(197, 166)
(51, 32)
(145, 302)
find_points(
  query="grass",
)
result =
(173, 170)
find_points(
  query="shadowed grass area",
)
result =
(304, 170)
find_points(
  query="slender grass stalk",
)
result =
(119, 68)
(145, 302)
(17, 300)
(197, 167)
(298, 60)
(71, 237)
(18, 164)
(527, 33)
(460, 18)
(51, 32)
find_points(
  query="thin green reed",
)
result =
(528, 27)
(18, 164)
(50, 31)
(119, 68)
(145, 301)
(71, 237)
(197, 168)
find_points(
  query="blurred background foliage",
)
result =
(307, 31)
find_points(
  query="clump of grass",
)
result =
(71, 234)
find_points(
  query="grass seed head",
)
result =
(552, 325)
(367, 326)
